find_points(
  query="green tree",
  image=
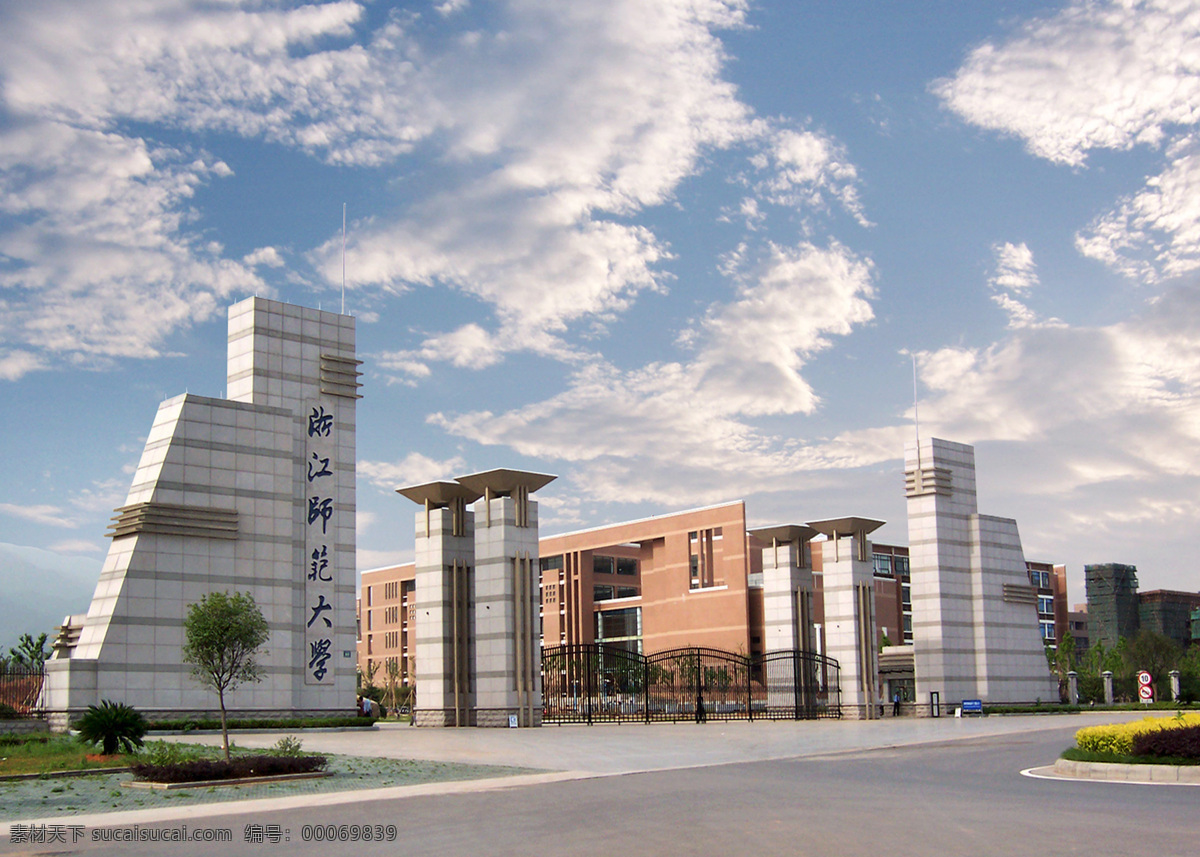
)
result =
(1156, 654)
(223, 634)
(29, 653)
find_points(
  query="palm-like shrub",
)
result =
(111, 725)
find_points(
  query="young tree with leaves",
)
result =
(222, 636)
(29, 653)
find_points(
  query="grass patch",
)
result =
(1074, 754)
(54, 753)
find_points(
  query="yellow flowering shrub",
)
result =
(1117, 738)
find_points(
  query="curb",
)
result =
(1117, 772)
(204, 784)
(82, 772)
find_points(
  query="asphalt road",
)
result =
(959, 798)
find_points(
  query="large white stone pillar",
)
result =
(849, 589)
(508, 650)
(444, 603)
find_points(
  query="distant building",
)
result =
(1112, 602)
(1079, 625)
(1115, 609)
(1168, 613)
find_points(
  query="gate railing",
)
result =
(596, 682)
(21, 692)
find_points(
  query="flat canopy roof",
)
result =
(784, 533)
(846, 526)
(439, 493)
(502, 481)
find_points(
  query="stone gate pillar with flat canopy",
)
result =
(445, 603)
(787, 587)
(507, 642)
(849, 585)
(788, 605)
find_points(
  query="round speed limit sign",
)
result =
(1144, 678)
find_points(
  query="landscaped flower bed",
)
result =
(239, 767)
(1117, 739)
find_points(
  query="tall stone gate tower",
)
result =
(252, 493)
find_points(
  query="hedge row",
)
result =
(1183, 743)
(261, 723)
(199, 770)
(1117, 738)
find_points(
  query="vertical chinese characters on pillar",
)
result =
(320, 516)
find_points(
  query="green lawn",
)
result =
(57, 753)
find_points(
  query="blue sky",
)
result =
(676, 251)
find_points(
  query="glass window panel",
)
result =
(627, 565)
(601, 592)
(602, 564)
(549, 563)
(618, 623)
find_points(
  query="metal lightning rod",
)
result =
(344, 261)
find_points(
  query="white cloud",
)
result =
(104, 267)
(18, 363)
(413, 469)
(1015, 275)
(1153, 234)
(749, 355)
(554, 129)
(1115, 402)
(1103, 75)
(1015, 268)
(40, 514)
(806, 167)
(268, 256)
(78, 546)
(363, 521)
(1107, 75)
(367, 559)
(570, 120)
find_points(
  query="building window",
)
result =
(602, 592)
(882, 563)
(620, 627)
(627, 592)
(1046, 605)
(602, 564)
(906, 596)
(1047, 630)
(1040, 579)
(900, 564)
(694, 563)
(627, 565)
(549, 563)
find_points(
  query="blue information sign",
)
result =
(972, 706)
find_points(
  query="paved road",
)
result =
(960, 797)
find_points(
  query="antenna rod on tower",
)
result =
(916, 413)
(344, 261)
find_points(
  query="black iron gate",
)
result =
(21, 692)
(597, 682)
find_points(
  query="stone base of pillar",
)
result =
(859, 712)
(499, 717)
(437, 717)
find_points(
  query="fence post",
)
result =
(587, 670)
(646, 685)
(749, 691)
